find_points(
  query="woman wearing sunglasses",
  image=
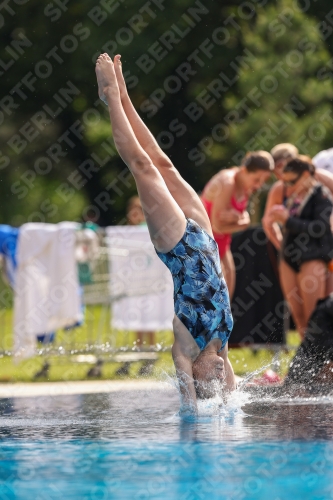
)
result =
(307, 241)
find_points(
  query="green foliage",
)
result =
(70, 38)
(293, 104)
(94, 337)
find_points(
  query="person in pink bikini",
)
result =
(225, 198)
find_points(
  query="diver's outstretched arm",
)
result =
(184, 352)
(230, 378)
(183, 365)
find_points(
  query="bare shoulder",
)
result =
(277, 187)
(276, 192)
(275, 196)
(222, 181)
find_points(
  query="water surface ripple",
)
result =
(134, 445)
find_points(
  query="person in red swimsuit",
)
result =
(225, 198)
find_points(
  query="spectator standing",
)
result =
(278, 194)
(281, 153)
(225, 198)
(306, 240)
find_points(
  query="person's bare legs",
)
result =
(311, 282)
(165, 219)
(292, 294)
(229, 272)
(183, 193)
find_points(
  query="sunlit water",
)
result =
(133, 445)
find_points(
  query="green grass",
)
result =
(93, 337)
(96, 337)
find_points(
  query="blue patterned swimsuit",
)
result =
(200, 293)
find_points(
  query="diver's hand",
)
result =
(188, 411)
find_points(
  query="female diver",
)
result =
(181, 233)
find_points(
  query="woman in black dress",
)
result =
(307, 239)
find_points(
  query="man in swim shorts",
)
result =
(181, 232)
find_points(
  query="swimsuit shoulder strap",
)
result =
(239, 205)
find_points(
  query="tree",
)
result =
(189, 66)
(284, 93)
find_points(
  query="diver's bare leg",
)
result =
(165, 219)
(183, 193)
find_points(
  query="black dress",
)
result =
(308, 235)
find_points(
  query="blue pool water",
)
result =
(132, 445)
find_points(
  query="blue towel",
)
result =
(8, 245)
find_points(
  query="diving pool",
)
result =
(132, 445)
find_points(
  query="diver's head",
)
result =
(209, 376)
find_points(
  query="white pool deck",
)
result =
(24, 390)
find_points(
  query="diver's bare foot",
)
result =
(106, 77)
(120, 76)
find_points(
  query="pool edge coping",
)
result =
(28, 389)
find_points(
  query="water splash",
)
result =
(219, 406)
(275, 362)
(225, 406)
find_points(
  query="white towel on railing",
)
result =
(141, 286)
(46, 294)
